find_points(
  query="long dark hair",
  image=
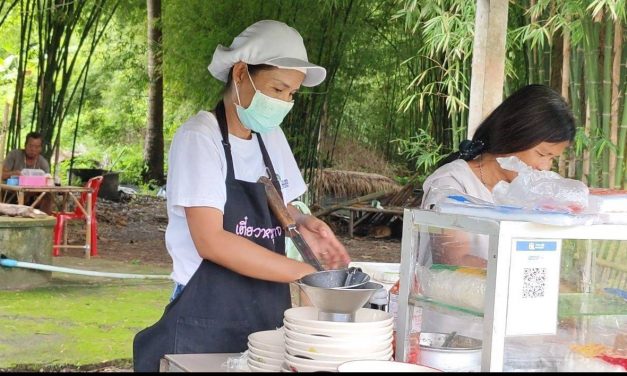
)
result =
(531, 115)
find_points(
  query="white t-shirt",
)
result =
(197, 173)
(456, 175)
(459, 176)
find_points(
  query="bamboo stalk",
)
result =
(565, 86)
(591, 74)
(585, 170)
(575, 166)
(616, 81)
(607, 98)
(622, 139)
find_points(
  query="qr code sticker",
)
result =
(534, 281)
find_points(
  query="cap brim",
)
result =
(315, 73)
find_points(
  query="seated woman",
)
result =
(535, 124)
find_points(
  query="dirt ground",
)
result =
(134, 232)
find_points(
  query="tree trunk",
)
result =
(153, 147)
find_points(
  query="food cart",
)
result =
(550, 299)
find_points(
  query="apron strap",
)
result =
(230, 174)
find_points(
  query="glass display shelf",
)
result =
(570, 305)
(579, 304)
(422, 300)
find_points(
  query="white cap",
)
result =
(267, 42)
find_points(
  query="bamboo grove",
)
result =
(398, 74)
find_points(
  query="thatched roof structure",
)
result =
(340, 183)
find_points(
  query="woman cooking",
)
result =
(229, 265)
(534, 124)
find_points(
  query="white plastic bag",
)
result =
(535, 189)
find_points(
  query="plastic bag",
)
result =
(463, 204)
(535, 189)
(237, 363)
(33, 172)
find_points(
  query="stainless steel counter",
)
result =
(195, 362)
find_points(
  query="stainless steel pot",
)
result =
(462, 354)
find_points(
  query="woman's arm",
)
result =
(453, 248)
(321, 239)
(237, 253)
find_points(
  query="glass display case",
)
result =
(533, 297)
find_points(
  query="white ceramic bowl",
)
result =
(313, 363)
(265, 359)
(285, 368)
(269, 340)
(311, 338)
(382, 366)
(337, 333)
(297, 365)
(269, 353)
(265, 353)
(252, 364)
(381, 355)
(365, 318)
(349, 348)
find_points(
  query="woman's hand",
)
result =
(322, 240)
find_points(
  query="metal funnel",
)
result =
(339, 304)
(336, 279)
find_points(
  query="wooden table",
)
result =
(353, 210)
(66, 193)
(195, 362)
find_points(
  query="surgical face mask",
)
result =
(264, 113)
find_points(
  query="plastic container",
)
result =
(32, 181)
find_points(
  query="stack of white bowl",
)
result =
(314, 345)
(266, 351)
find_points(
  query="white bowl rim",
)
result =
(266, 359)
(267, 353)
(381, 362)
(313, 338)
(263, 366)
(389, 352)
(270, 337)
(290, 325)
(318, 347)
(310, 368)
(313, 313)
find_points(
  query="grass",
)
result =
(76, 322)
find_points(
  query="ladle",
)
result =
(350, 274)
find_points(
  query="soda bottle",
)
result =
(414, 332)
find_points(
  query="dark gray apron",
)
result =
(219, 308)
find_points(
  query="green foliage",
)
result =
(397, 70)
(423, 150)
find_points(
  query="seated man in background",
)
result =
(29, 157)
